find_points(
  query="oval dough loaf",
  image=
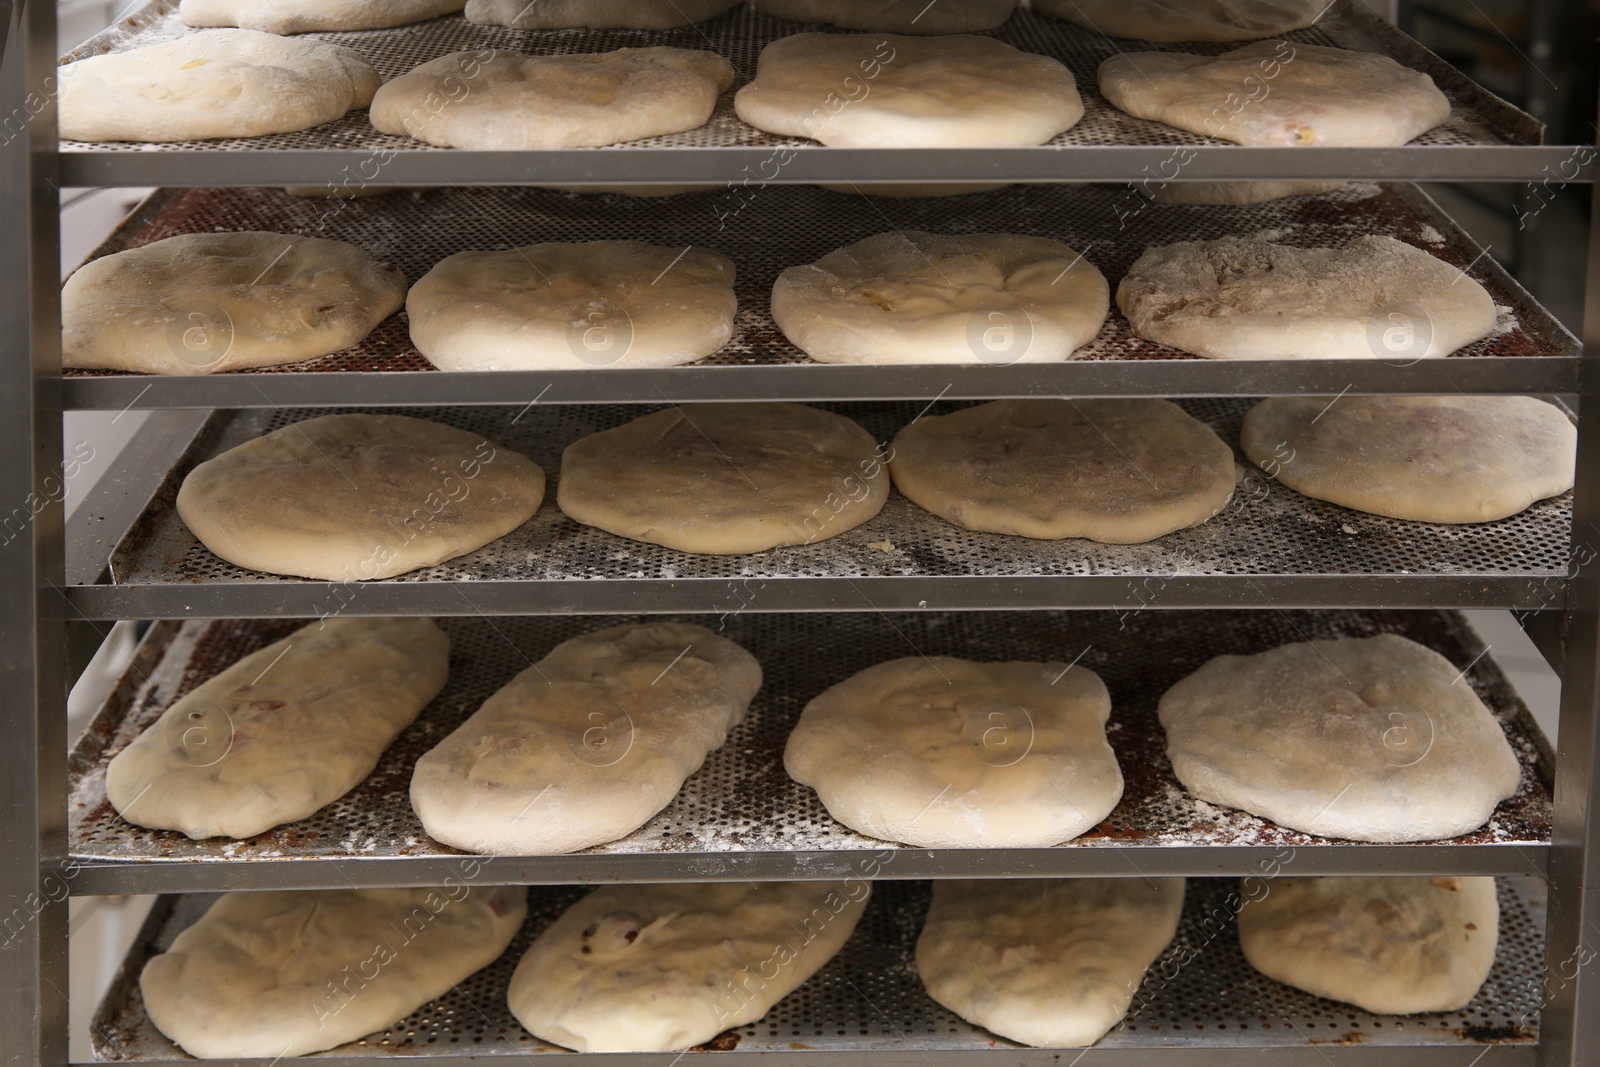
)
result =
(595, 14)
(1187, 20)
(267, 975)
(349, 498)
(895, 16)
(1234, 193)
(313, 16)
(658, 968)
(912, 297)
(1368, 739)
(947, 753)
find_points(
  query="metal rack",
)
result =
(126, 557)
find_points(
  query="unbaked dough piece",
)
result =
(284, 973)
(658, 968)
(588, 744)
(726, 479)
(1393, 946)
(1427, 458)
(1118, 471)
(877, 91)
(561, 306)
(217, 83)
(1234, 193)
(947, 753)
(895, 16)
(348, 498)
(1241, 298)
(283, 732)
(1278, 93)
(1368, 739)
(913, 297)
(313, 16)
(504, 101)
(202, 303)
(1187, 20)
(596, 14)
(1051, 962)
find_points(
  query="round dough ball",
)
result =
(218, 83)
(1239, 298)
(1234, 193)
(348, 498)
(1117, 471)
(1278, 93)
(501, 101)
(312, 16)
(946, 753)
(201, 303)
(1368, 739)
(1187, 20)
(876, 91)
(574, 306)
(595, 14)
(894, 16)
(1393, 946)
(725, 479)
(912, 297)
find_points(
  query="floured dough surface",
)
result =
(1118, 471)
(877, 91)
(595, 14)
(499, 101)
(726, 479)
(913, 297)
(1427, 458)
(1394, 946)
(1368, 739)
(1278, 93)
(283, 732)
(1187, 20)
(350, 498)
(214, 84)
(895, 16)
(1240, 298)
(588, 744)
(560, 306)
(1051, 962)
(310, 16)
(201, 303)
(1234, 193)
(272, 974)
(658, 968)
(947, 753)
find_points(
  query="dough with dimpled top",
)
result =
(312, 16)
(1187, 20)
(595, 14)
(895, 16)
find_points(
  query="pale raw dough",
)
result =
(658, 968)
(588, 744)
(349, 498)
(1369, 739)
(913, 297)
(500, 101)
(1394, 946)
(726, 479)
(273, 974)
(595, 14)
(563, 306)
(1278, 93)
(1051, 962)
(217, 83)
(1234, 193)
(1118, 471)
(895, 16)
(1427, 458)
(877, 91)
(947, 753)
(1238, 298)
(313, 16)
(1187, 20)
(283, 732)
(202, 303)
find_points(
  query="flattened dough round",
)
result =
(913, 297)
(895, 16)
(658, 968)
(354, 497)
(726, 479)
(595, 14)
(1239, 298)
(266, 975)
(1368, 739)
(1292, 94)
(1394, 946)
(563, 306)
(1427, 458)
(877, 91)
(1187, 20)
(498, 101)
(1118, 471)
(947, 753)
(1051, 962)
(217, 83)
(202, 303)
(312, 16)
(1235, 193)
(587, 745)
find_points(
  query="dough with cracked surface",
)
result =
(313, 16)
(596, 14)
(1171, 21)
(895, 16)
